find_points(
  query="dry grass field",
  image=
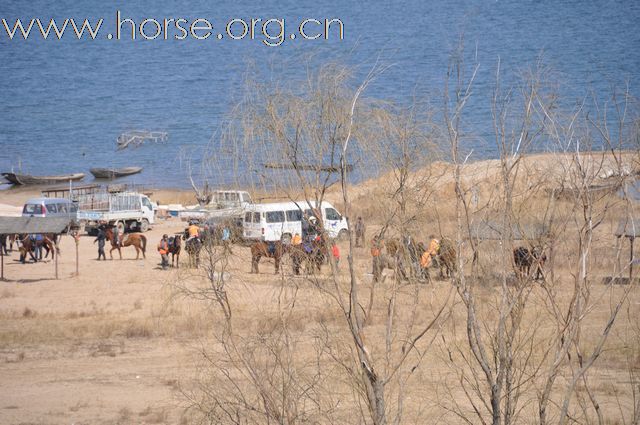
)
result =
(125, 342)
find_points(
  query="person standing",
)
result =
(101, 238)
(376, 248)
(360, 232)
(335, 251)
(38, 241)
(430, 254)
(226, 240)
(163, 250)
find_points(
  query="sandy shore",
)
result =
(115, 345)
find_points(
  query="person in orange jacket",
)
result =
(430, 253)
(335, 251)
(163, 250)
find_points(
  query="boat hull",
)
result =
(112, 173)
(26, 179)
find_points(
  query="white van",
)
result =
(281, 220)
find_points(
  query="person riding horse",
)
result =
(193, 243)
(193, 231)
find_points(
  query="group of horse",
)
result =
(311, 254)
(404, 258)
(29, 247)
(192, 247)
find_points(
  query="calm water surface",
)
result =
(63, 103)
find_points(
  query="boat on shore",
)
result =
(112, 173)
(28, 179)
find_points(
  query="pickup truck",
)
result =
(128, 211)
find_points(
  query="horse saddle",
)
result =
(271, 248)
(171, 240)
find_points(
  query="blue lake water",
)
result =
(63, 103)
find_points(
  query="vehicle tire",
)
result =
(286, 239)
(343, 235)
(143, 226)
(120, 226)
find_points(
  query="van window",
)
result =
(52, 208)
(275, 216)
(247, 217)
(73, 207)
(332, 214)
(256, 217)
(32, 209)
(294, 215)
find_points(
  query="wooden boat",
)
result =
(112, 173)
(25, 179)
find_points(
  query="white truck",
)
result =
(225, 205)
(126, 210)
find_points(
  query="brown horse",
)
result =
(137, 240)
(175, 246)
(446, 258)
(261, 249)
(29, 246)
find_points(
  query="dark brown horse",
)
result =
(312, 254)
(175, 246)
(524, 258)
(261, 249)
(137, 240)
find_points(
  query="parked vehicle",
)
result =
(281, 220)
(128, 211)
(225, 206)
(50, 207)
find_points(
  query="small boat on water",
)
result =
(25, 179)
(112, 173)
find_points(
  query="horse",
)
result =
(137, 240)
(524, 258)
(29, 246)
(446, 258)
(313, 254)
(8, 240)
(388, 261)
(175, 246)
(3, 244)
(193, 247)
(260, 249)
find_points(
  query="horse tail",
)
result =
(144, 243)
